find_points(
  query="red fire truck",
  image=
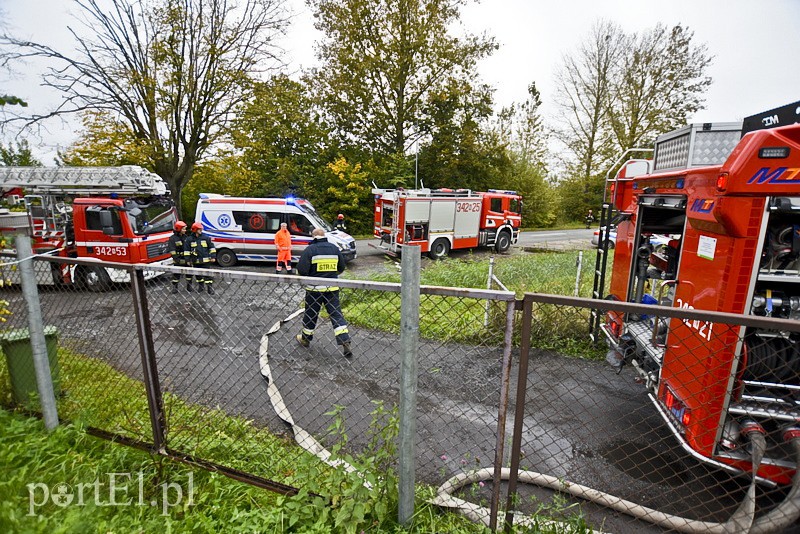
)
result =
(117, 214)
(728, 200)
(441, 220)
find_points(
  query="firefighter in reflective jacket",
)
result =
(176, 251)
(323, 259)
(340, 224)
(201, 255)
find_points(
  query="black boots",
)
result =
(210, 289)
(189, 286)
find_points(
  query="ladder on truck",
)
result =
(600, 266)
(126, 179)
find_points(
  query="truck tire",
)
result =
(440, 249)
(226, 258)
(95, 279)
(503, 242)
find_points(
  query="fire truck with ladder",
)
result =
(115, 214)
(441, 220)
(726, 198)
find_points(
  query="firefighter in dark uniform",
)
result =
(175, 245)
(323, 260)
(340, 224)
(202, 254)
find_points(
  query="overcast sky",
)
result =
(755, 44)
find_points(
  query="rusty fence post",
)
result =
(508, 342)
(519, 409)
(155, 401)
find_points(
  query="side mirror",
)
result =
(107, 222)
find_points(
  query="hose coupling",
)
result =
(749, 426)
(791, 433)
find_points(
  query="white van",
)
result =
(244, 228)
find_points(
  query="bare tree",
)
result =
(658, 85)
(583, 93)
(620, 91)
(173, 71)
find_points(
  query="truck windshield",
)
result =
(158, 216)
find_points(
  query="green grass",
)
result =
(35, 463)
(461, 320)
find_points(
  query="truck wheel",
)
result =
(226, 258)
(95, 279)
(503, 242)
(440, 249)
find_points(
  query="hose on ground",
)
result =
(742, 520)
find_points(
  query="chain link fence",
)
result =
(658, 418)
(231, 384)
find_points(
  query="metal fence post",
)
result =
(155, 401)
(488, 286)
(508, 341)
(41, 362)
(519, 410)
(409, 343)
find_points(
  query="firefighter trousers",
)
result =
(314, 301)
(205, 279)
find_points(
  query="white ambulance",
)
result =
(243, 229)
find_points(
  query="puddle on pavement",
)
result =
(645, 463)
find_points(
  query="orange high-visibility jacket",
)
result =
(283, 241)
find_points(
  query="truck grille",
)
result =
(155, 250)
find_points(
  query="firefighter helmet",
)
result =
(197, 226)
(179, 225)
(340, 216)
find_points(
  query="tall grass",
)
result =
(559, 328)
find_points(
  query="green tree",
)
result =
(105, 142)
(619, 91)
(175, 71)
(283, 138)
(226, 174)
(382, 59)
(19, 155)
(463, 151)
(346, 187)
(522, 126)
